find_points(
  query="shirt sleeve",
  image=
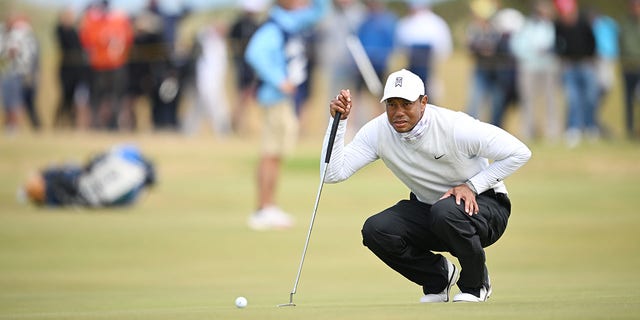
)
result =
(313, 13)
(346, 160)
(505, 152)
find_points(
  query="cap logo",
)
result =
(398, 82)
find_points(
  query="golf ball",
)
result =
(241, 302)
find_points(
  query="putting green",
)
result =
(184, 251)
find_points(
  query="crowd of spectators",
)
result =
(557, 63)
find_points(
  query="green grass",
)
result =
(184, 252)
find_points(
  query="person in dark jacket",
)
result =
(576, 47)
(239, 34)
(73, 72)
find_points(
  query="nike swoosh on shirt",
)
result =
(438, 157)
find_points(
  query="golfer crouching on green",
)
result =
(458, 201)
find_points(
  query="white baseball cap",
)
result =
(403, 84)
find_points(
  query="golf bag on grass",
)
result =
(114, 178)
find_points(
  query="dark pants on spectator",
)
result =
(420, 64)
(107, 89)
(165, 100)
(28, 95)
(404, 236)
(631, 82)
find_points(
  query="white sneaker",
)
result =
(573, 137)
(485, 293)
(444, 295)
(270, 218)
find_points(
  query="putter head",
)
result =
(290, 304)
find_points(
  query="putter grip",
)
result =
(332, 136)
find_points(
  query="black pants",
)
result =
(631, 82)
(404, 236)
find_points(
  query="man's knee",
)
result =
(372, 226)
(379, 236)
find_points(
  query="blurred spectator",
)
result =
(107, 37)
(179, 66)
(113, 178)
(606, 33)
(507, 21)
(276, 53)
(19, 68)
(377, 34)
(341, 22)
(537, 72)
(305, 89)
(483, 41)
(172, 16)
(210, 94)
(240, 32)
(426, 37)
(630, 59)
(148, 58)
(73, 107)
(576, 47)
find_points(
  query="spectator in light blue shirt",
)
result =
(276, 52)
(265, 51)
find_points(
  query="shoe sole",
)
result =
(475, 299)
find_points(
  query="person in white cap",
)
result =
(458, 201)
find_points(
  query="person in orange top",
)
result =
(107, 37)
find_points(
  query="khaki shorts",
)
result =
(280, 129)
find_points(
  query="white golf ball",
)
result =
(241, 302)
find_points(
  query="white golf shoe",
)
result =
(485, 293)
(444, 295)
(270, 218)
